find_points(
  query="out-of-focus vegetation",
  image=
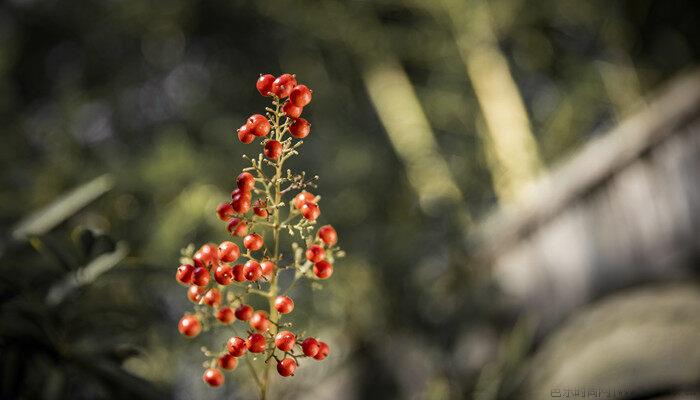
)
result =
(411, 100)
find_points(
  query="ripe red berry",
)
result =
(212, 298)
(283, 85)
(328, 235)
(236, 346)
(209, 254)
(224, 211)
(245, 182)
(291, 110)
(259, 125)
(300, 96)
(254, 120)
(264, 84)
(284, 304)
(300, 128)
(189, 325)
(260, 208)
(268, 268)
(310, 211)
(195, 293)
(272, 149)
(285, 340)
(213, 377)
(201, 276)
(252, 270)
(310, 347)
(323, 269)
(238, 273)
(240, 202)
(253, 242)
(244, 312)
(227, 361)
(185, 273)
(256, 343)
(229, 251)
(259, 321)
(323, 351)
(302, 198)
(315, 253)
(245, 134)
(223, 274)
(225, 315)
(286, 367)
(237, 227)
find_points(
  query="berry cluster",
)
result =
(221, 278)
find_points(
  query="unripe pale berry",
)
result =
(286, 367)
(272, 149)
(238, 273)
(310, 347)
(223, 274)
(256, 343)
(284, 304)
(244, 312)
(283, 85)
(264, 84)
(300, 96)
(189, 325)
(315, 253)
(291, 110)
(236, 346)
(323, 351)
(225, 315)
(213, 377)
(224, 211)
(310, 211)
(259, 321)
(285, 340)
(253, 242)
(300, 128)
(328, 235)
(227, 361)
(185, 273)
(323, 269)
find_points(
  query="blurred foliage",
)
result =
(151, 93)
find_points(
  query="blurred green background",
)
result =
(135, 103)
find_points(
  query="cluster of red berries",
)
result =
(219, 285)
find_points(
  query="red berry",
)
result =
(213, 377)
(256, 343)
(201, 276)
(328, 235)
(212, 297)
(254, 120)
(209, 254)
(291, 110)
(300, 96)
(315, 253)
(302, 198)
(227, 361)
(189, 325)
(224, 211)
(237, 227)
(286, 366)
(225, 315)
(268, 268)
(310, 347)
(245, 134)
(240, 202)
(300, 128)
(228, 251)
(245, 182)
(252, 270)
(260, 208)
(223, 274)
(285, 340)
(238, 273)
(323, 269)
(310, 211)
(272, 149)
(259, 321)
(195, 293)
(253, 242)
(259, 125)
(264, 84)
(244, 312)
(283, 85)
(323, 351)
(284, 304)
(185, 273)
(236, 346)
